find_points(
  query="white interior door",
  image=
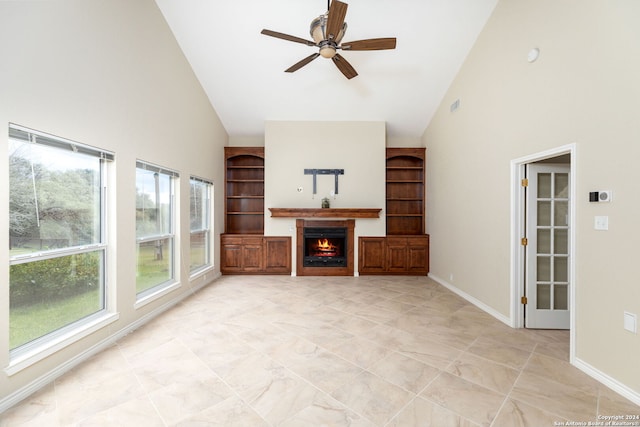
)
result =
(547, 279)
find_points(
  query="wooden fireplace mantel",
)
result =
(325, 212)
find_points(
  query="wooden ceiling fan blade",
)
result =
(344, 66)
(287, 37)
(371, 44)
(302, 63)
(335, 20)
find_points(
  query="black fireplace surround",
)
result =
(325, 247)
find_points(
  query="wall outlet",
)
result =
(630, 322)
(451, 277)
(601, 223)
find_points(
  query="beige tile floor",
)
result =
(313, 351)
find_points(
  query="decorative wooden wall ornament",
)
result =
(316, 172)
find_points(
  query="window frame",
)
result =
(193, 272)
(162, 288)
(31, 352)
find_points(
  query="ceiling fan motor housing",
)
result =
(318, 30)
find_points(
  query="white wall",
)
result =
(107, 74)
(356, 147)
(583, 89)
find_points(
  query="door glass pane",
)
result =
(560, 297)
(544, 269)
(561, 185)
(560, 273)
(560, 241)
(544, 213)
(543, 301)
(544, 241)
(560, 215)
(544, 185)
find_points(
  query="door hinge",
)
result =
(524, 241)
(524, 182)
(523, 300)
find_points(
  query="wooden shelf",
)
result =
(244, 190)
(245, 213)
(405, 190)
(325, 212)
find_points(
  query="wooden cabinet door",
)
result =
(371, 255)
(253, 254)
(417, 255)
(396, 255)
(277, 254)
(231, 257)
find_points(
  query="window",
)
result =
(155, 228)
(200, 220)
(57, 242)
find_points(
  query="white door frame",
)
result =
(518, 231)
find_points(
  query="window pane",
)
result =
(49, 294)
(154, 227)
(200, 224)
(153, 203)
(199, 205)
(54, 198)
(199, 250)
(154, 264)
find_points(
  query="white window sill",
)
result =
(35, 355)
(203, 272)
(156, 295)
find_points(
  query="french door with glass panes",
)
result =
(548, 249)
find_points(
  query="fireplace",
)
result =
(324, 248)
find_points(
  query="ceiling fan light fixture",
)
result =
(327, 51)
(318, 30)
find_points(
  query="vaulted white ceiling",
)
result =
(242, 71)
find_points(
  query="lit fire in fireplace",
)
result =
(324, 247)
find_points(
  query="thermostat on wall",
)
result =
(600, 196)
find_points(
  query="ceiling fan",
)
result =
(327, 31)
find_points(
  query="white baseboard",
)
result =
(26, 391)
(482, 306)
(596, 374)
(605, 379)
